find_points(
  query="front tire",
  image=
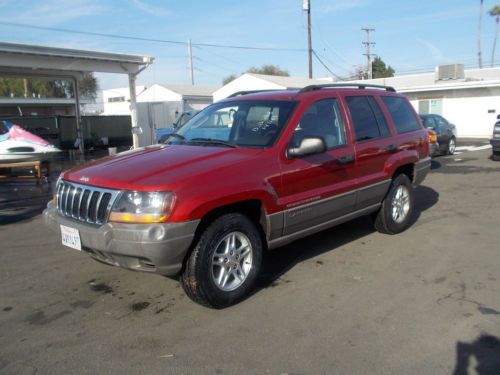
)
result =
(397, 208)
(225, 263)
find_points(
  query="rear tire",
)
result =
(224, 264)
(397, 207)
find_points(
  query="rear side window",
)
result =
(381, 121)
(364, 119)
(402, 116)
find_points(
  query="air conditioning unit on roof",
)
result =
(451, 71)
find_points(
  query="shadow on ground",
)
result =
(486, 352)
(278, 262)
(22, 200)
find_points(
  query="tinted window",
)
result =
(381, 121)
(440, 121)
(322, 119)
(363, 118)
(428, 122)
(401, 114)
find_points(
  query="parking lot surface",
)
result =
(348, 300)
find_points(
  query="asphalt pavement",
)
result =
(345, 301)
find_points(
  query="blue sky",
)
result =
(411, 36)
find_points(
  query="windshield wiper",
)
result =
(213, 141)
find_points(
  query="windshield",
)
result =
(248, 123)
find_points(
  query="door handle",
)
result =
(392, 148)
(346, 159)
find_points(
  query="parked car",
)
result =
(214, 197)
(495, 140)
(184, 117)
(445, 131)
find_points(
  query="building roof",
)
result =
(39, 101)
(46, 60)
(474, 78)
(191, 90)
(289, 82)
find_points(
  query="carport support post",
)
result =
(79, 133)
(133, 107)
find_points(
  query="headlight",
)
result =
(142, 207)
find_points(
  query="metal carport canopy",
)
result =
(24, 60)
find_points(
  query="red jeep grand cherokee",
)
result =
(249, 173)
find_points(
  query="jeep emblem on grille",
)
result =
(84, 179)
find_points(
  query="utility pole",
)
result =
(307, 7)
(190, 62)
(368, 53)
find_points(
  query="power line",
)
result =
(129, 37)
(324, 65)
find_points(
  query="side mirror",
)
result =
(308, 146)
(498, 117)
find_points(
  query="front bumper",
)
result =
(421, 169)
(434, 149)
(495, 144)
(158, 247)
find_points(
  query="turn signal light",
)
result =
(432, 136)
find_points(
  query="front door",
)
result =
(319, 188)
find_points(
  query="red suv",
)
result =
(250, 173)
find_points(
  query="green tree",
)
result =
(228, 79)
(270, 70)
(267, 69)
(45, 88)
(495, 12)
(380, 70)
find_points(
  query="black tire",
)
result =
(450, 146)
(384, 221)
(197, 278)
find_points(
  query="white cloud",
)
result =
(150, 9)
(435, 53)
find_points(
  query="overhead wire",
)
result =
(129, 37)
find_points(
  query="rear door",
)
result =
(319, 188)
(374, 144)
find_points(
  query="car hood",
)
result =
(156, 167)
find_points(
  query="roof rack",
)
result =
(358, 85)
(238, 93)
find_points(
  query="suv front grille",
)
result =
(84, 203)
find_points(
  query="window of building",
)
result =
(430, 106)
(402, 116)
(115, 99)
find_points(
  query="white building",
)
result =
(183, 97)
(117, 101)
(470, 99)
(251, 81)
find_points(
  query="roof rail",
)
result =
(246, 92)
(358, 85)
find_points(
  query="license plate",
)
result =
(71, 237)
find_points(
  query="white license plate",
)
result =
(71, 237)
